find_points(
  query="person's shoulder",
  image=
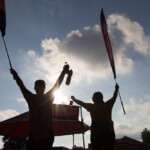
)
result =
(50, 92)
(110, 102)
(89, 106)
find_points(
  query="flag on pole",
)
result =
(109, 48)
(2, 17)
(3, 26)
(107, 42)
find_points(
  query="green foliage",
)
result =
(14, 143)
(145, 135)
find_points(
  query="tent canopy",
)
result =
(66, 122)
(128, 142)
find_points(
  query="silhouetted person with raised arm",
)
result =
(41, 134)
(102, 130)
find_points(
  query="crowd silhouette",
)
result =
(41, 134)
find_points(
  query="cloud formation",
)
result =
(1, 144)
(132, 33)
(86, 53)
(132, 123)
(21, 100)
(6, 114)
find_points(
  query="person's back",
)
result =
(41, 118)
(102, 129)
(100, 112)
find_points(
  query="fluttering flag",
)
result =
(109, 49)
(107, 42)
(2, 17)
(3, 26)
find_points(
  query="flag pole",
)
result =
(120, 99)
(109, 49)
(7, 52)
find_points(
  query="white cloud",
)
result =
(87, 119)
(1, 144)
(147, 97)
(21, 100)
(136, 119)
(132, 33)
(122, 130)
(75, 33)
(86, 53)
(6, 114)
(31, 53)
(123, 64)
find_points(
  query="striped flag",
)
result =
(107, 42)
(2, 17)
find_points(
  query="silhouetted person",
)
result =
(102, 130)
(41, 134)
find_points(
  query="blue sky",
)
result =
(42, 36)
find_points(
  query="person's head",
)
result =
(39, 86)
(97, 97)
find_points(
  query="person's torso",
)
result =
(101, 112)
(41, 117)
(101, 118)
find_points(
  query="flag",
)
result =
(107, 42)
(2, 17)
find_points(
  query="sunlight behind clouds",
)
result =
(86, 53)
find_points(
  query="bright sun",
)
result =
(60, 98)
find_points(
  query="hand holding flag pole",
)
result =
(3, 26)
(109, 49)
(121, 100)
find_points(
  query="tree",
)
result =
(14, 143)
(145, 135)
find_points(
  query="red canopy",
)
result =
(128, 142)
(65, 122)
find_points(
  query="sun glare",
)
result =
(60, 98)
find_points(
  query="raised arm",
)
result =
(79, 102)
(60, 79)
(87, 106)
(23, 89)
(17, 78)
(113, 99)
(116, 91)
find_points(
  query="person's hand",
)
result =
(66, 68)
(14, 73)
(73, 98)
(117, 86)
